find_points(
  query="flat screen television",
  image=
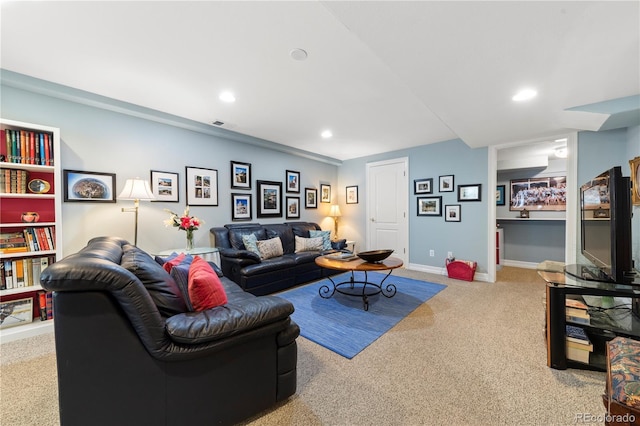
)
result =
(605, 203)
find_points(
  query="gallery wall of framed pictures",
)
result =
(432, 205)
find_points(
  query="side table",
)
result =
(210, 254)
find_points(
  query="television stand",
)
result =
(587, 272)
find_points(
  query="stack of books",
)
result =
(577, 311)
(579, 347)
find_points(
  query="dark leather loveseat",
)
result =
(129, 354)
(264, 276)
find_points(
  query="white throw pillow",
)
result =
(270, 248)
(308, 244)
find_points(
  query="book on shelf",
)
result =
(577, 335)
(578, 354)
(28, 147)
(13, 181)
(18, 273)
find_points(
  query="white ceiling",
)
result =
(382, 75)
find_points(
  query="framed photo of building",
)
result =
(293, 208)
(429, 206)
(269, 198)
(240, 206)
(164, 186)
(446, 183)
(310, 198)
(423, 186)
(293, 181)
(93, 187)
(240, 175)
(539, 194)
(452, 213)
(202, 186)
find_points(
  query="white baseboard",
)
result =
(443, 271)
(520, 264)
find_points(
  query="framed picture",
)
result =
(269, 198)
(240, 175)
(240, 206)
(293, 208)
(423, 186)
(164, 186)
(500, 195)
(89, 186)
(16, 312)
(293, 181)
(202, 186)
(352, 195)
(310, 198)
(429, 206)
(446, 184)
(325, 193)
(635, 180)
(452, 213)
(469, 192)
(539, 194)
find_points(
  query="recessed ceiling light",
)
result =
(227, 97)
(298, 54)
(561, 152)
(326, 134)
(524, 95)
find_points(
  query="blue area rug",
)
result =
(341, 324)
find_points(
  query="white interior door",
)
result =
(387, 205)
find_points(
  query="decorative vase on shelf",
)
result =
(30, 217)
(189, 240)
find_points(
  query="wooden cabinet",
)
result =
(30, 194)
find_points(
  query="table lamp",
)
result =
(136, 190)
(335, 214)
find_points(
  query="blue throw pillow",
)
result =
(250, 242)
(326, 238)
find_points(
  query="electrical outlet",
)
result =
(432, 253)
(449, 255)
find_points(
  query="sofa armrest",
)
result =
(227, 320)
(240, 254)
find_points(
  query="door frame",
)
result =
(571, 219)
(405, 189)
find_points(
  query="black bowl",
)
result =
(374, 256)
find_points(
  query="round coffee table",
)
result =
(358, 288)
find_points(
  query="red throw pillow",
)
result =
(169, 264)
(205, 288)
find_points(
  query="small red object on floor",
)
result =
(461, 269)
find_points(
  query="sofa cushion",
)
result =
(308, 244)
(180, 274)
(270, 248)
(250, 242)
(223, 321)
(205, 289)
(301, 229)
(326, 238)
(235, 235)
(285, 233)
(181, 259)
(161, 286)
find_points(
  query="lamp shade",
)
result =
(136, 189)
(335, 211)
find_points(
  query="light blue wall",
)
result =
(95, 139)
(600, 151)
(467, 239)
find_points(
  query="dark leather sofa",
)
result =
(264, 276)
(129, 354)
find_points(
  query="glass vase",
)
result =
(189, 240)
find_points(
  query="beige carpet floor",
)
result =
(472, 355)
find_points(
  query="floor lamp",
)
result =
(136, 190)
